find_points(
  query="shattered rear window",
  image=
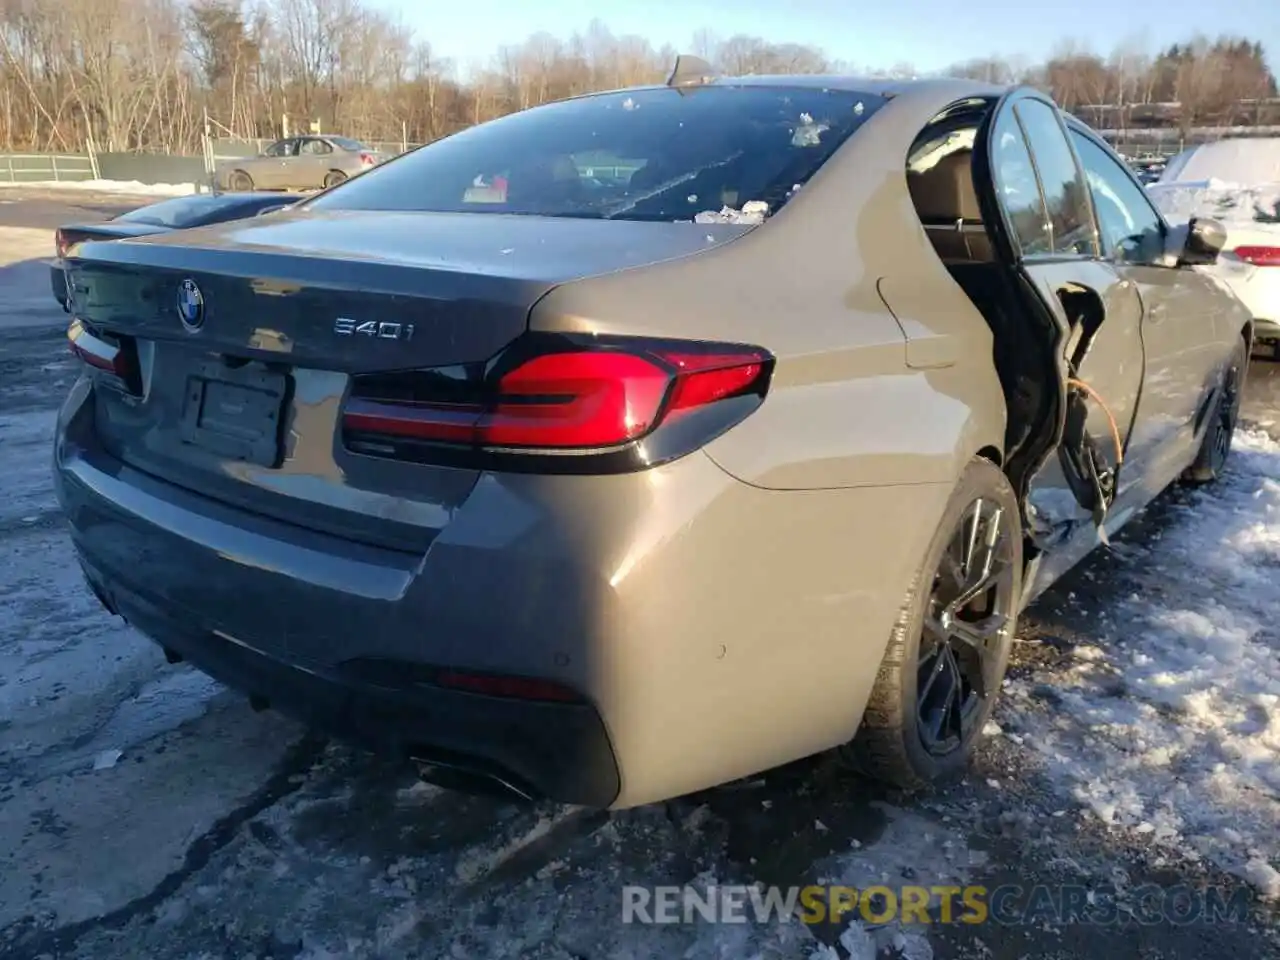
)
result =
(710, 154)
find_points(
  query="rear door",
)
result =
(1045, 226)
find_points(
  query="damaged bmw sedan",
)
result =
(643, 441)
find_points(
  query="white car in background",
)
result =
(1238, 183)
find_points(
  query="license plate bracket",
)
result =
(236, 412)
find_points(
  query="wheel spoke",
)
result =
(971, 541)
(935, 672)
(929, 714)
(986, 578)
(951, 569)
(978, 634)
(954, 703)
(931, 726)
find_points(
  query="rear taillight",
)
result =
(1259, 256)
(65, 240)
(106, 354)
(367, 159)
(574, 401)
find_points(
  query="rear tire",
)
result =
(333, 178)
(1215, 448)
(240, 182)
(900, 739)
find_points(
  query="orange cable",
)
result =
(1115, 430)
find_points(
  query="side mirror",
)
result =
(1204, 240)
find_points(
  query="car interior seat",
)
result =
(947, 203)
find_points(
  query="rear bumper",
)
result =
(331, 653)
(536, 750)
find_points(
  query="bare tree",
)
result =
(139, 74)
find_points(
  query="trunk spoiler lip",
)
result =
(559, 249)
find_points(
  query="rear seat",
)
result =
(947, 204)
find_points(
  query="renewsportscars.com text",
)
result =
(1009, 905)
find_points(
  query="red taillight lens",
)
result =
(64, 240)
(573, 399)
(706, 378)
(1259, 256)
(102, 354)
(367, 159)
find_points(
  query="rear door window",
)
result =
(1066, 197)
(658, 154)
(1017, 187)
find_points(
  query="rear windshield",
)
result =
(181, 211)
(654, 154)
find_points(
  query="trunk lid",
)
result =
(245, 334)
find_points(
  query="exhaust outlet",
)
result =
(467, 779)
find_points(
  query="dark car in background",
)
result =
(1148, 169)
(179, 213)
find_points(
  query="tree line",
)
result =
(147, 74)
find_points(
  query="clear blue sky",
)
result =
(930, 34)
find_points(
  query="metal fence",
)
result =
(1169, 141)
(47, 167)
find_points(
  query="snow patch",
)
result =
(131, 187)
(1169, 727)
(752, 212)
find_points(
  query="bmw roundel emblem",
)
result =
(190, 305)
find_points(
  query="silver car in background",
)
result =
(298, 163)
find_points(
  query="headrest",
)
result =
(945, 192)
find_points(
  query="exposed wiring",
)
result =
(1115, 430)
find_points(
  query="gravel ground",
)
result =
(147, 812)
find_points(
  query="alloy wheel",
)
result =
(970, 612)
(1225, 423)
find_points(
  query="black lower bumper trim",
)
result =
(556, 751)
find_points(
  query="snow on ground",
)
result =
(1169, 727)
(130, 187)
(145, 812)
